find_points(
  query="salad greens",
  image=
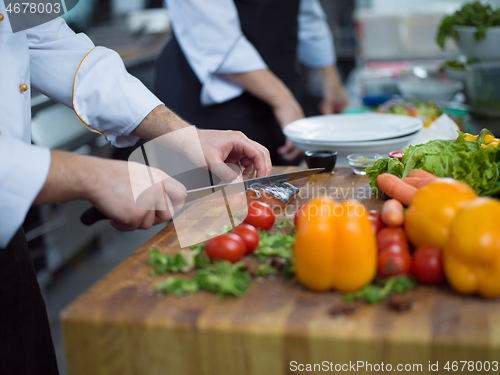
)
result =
(277, 244)
(178, 286)
(224, 278)
(266, 269)
(461, 159)
(165, 263)
(475, 14)
(379, 292)
(221, 277)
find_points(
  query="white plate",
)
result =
(345, 148)
(352, 127)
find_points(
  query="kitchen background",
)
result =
(384, 47)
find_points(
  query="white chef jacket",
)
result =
(209, 34)
(68, 68)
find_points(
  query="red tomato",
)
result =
(249, 235)
(397, 154)
(376, 219)
(393, 264)
(260, 215)
(395, 248)
(300, 212)
(411, 112)
(227, 247)
(392, 236)
(428, 265)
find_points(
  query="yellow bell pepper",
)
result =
(432, 210)
(488, 138)
(335, 247)
(470, 137)
(471, 256)
(494, 144)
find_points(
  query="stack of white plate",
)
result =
(354, 133)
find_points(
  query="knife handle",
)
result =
(92, 216)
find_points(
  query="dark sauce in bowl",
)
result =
(321, 159)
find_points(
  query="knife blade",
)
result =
(93, 215)
(253, 183)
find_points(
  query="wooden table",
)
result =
(123, 326)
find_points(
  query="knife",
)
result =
(93, 215)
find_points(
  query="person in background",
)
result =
(233, 64)
(94, 82)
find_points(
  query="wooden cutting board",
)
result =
(123, 326)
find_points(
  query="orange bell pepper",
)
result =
(432, 210)
(471, 256)
(335, 247)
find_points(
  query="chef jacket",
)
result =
(68, 68)
(209, 33)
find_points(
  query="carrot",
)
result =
(418, 182)
(420, 173)
(396, 188)
(392, 213)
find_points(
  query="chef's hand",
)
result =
(217, 147)
(232, 147)
(107, 185)
(334, 95)
(130, 198)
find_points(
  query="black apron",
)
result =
(25, 342)
(271, 26)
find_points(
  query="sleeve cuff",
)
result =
(241, 58)
(23, 172)
(108, 100)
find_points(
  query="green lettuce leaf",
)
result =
(388, 165)
(463, 160)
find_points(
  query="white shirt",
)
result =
(209, 33)
(68, 68)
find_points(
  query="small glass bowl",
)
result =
(359, 162)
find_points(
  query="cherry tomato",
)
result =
(393, 264)
(260, 215)
(397, 154)
(396, 248)
(249, 235)
(300, 211)
(376, 219)
(428, 265)
(227, 247)
(392, 236)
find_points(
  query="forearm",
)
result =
(334, 98)
(264, 85)
(69, 178)
(159, 122)
(330, 80)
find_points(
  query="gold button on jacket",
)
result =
(24, 87)
(1, 17)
